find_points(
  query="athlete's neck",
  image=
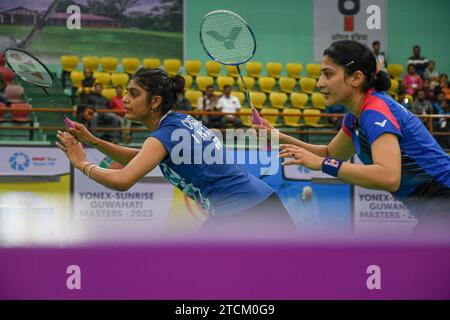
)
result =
(152, 123)
(355, 103)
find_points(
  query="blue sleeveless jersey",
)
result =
(196, 165)
(423, 159)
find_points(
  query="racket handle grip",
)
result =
(256, 117)
(68, 122)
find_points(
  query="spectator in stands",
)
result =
(419, 62)
(209, 103)
(2, 89)
(443, 86)
(116, 103)
(411, 81)
(86, 84)
(444, 124)
(429, 93)
(96, 101)
(13, 93)
(431, 74)
(421, 106)
(228, 103)
(336, 121)
(182, 104)
(380, 56)
(437, 105)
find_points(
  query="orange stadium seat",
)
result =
(258, 99)
(313, 119)
(271, 115)
(193, 96)
(318, 100)
(232, 71)
(395, 71)
(187, 81)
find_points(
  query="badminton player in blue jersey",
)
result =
(398, 152)
(233, 197)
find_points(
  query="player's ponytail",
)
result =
(354, 56)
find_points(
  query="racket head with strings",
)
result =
(32, 70)
(228, 39)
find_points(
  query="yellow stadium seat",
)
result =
(313, 70)
(313, 117)
(258, 99)
(91, 62)
(254, 69)
(76, 77)
(266, 84)
(274, 69)
(213, 68)
(409, 97)
(318, 100)
(188, 82)
(232, 71)
(109, 93)
(291, 117)
(278, 100)
(249, 82)
(120, 79)
(394, 86)
(130, 64)
(204, 81)
(151, 63)
(172, 66)
(271, 115)
(193, 96)
(395, 71)
(193, 67)
(308, 85)
(287, 84)
(223, 81)
(69, 63)
(299, 100)
(245, 115)
(294, 70)
(102, 77)
(240, 95)
(109, 64)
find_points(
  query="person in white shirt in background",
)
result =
(231, 104)
(380, 56)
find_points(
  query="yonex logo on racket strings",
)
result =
(228, 42)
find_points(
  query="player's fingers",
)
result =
(290, 162)
(64, 149)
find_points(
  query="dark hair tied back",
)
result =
(354, 56)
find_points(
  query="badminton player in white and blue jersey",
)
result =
(233, 197)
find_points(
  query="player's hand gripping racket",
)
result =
(30, 69)
(227, 39)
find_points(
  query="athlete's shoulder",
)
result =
(377, 107)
